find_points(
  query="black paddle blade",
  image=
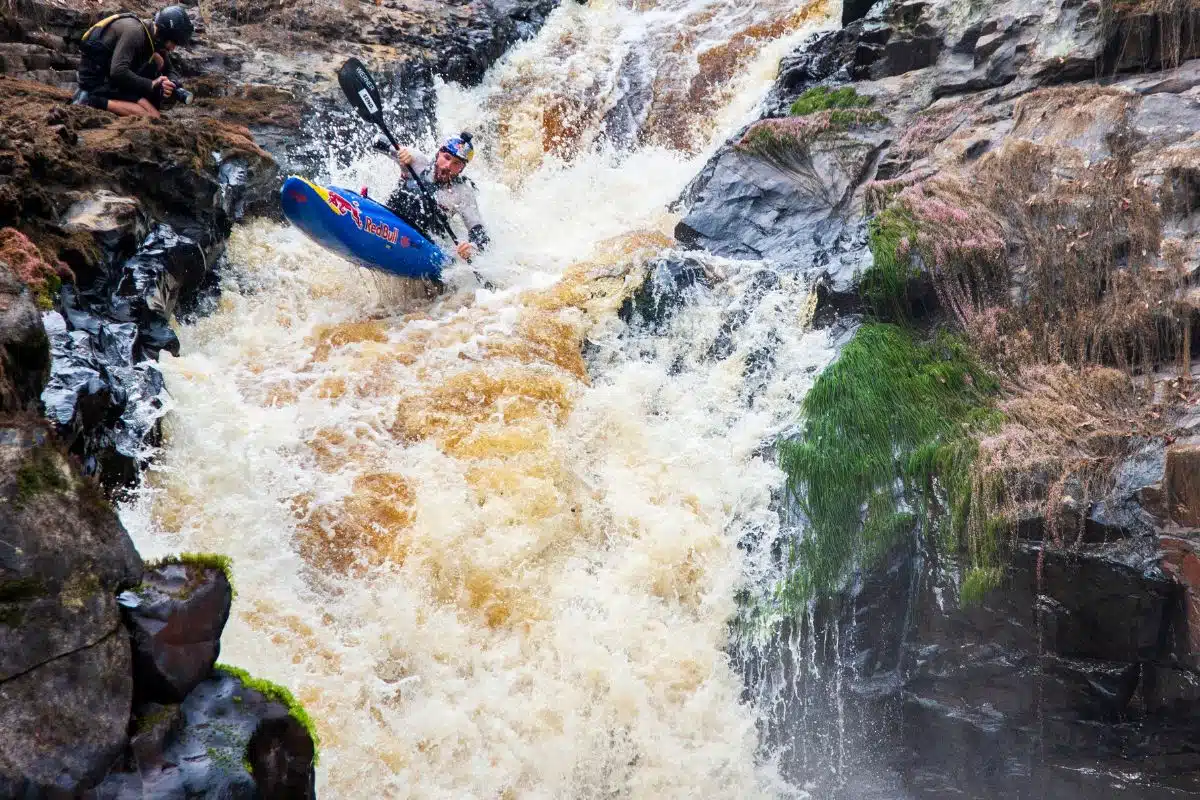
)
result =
(361, 90)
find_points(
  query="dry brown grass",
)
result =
(1094, 301)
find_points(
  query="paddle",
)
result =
(363, 93)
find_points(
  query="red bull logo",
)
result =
(383, 231)
(341, 206)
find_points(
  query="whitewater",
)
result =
(495, 540)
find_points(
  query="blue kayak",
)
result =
(361, 230)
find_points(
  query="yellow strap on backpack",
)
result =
(99, 27)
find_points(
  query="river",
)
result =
(495, 540)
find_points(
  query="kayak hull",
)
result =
(360, 230)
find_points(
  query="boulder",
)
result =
(801, 211)
(224, 726)
(65, 554)
(65, 668)
(64, 721)
(24, 348)
(281, 756)
(1182, 482)
(175, 618)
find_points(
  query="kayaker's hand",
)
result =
(466, 250)
(404, 156)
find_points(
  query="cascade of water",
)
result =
(488, 565)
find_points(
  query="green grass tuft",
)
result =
(892, 235)
(822, 98)
(889, 417)
(279, 694)
(978, 582)
(207, 560)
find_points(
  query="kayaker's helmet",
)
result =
(460, 147)
(173, 24)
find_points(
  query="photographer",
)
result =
(124, 59)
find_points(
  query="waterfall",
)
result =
(494, 540)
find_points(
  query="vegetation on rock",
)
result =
(886, 424)
(822, 98)
(43, 280)
(204, 560)
(1098, 307)
(279, 694)
(39, 474)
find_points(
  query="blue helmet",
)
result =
(460, 147)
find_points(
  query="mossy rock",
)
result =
(279, 694)
(203, 560)
(41, 473)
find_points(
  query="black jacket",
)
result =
(115, 54)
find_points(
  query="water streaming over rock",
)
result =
(494, 540)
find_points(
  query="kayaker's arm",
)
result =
(467, 206)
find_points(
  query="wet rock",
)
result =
(117, 223)
(804, 212)
(175, 618)
(1182, 483)
(663, 291)
(64, 721)
(1181, 560)
(205, 754)
(24, 348)
(281, 757)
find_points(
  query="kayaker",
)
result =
(455, 195)
(123, 62)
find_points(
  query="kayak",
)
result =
(360, 230)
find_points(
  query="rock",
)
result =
(175, 617)
(117, 223)
(281, 757)
(24, 347)
(66, 681)
(802, 212)
(1182, 483)
(667, 281)
(65, 554)
(64, 721)
(155, 726)
(1181, 560)
(205, 755)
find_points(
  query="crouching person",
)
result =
(124, 60)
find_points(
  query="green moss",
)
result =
(884, 287)
(884, 423)
(206, 560)
(279, 694)
(822, 98)
(148, 721)
(38, 475)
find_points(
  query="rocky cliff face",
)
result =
(1024, 178)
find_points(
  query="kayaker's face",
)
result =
(446, 167)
